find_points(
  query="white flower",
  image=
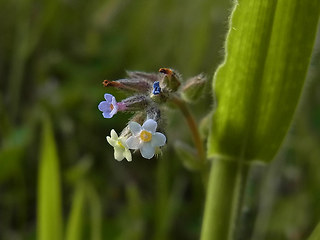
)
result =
(121, 150)
(145, 138)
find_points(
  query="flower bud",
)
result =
(157, 95)
(193, 88)
(138, 117)
(169, 79)
(134, 103)
(156, 88)
(159, 98)
(129, 85)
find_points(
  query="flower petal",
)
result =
(147, 151)
(104, 106)
(108, 97)
(150, 125)
(127, 155)
(158, 139)
(133, 142)
(114, 102)
(114, 135)
(114, 111)
(111, 141)
(107, 115)
(118, 154)
(135, 128)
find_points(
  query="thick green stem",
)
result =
(224, 196)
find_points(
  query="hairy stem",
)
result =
(192, 126)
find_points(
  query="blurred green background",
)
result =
(53, 57)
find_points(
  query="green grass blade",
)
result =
(258, 86)
(316, 233)
(268, 49)
(75, 223)
(95, 212)
(49, 212)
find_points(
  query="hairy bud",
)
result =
(131, 85)
(135, 103)
(193, 88)
(170, 80)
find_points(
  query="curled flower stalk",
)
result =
(148, 94)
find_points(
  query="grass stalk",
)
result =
(224, 197)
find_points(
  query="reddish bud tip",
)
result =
(107, 83)
(167, 71)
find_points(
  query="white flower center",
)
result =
(145, 136)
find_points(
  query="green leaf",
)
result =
(74, 227)
(49, 193)
(12, 152)
(85, 196)
(95, 212)
(258, 86)
(316, 233)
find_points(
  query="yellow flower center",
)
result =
(120, 144)
(145, 136)
(111, 107)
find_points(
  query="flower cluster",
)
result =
(147, 92)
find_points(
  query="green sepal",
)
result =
(192, 90)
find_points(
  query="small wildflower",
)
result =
(146, 94)
(145, 138)
(156, 88)
(108, 107)
(121, 149)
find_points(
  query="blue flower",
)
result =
(156, 88)
(108, 107)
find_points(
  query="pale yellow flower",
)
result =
(121, 149)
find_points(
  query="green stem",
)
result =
(224, 197)
(95, 212)
(161, 202)
(192, 126)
